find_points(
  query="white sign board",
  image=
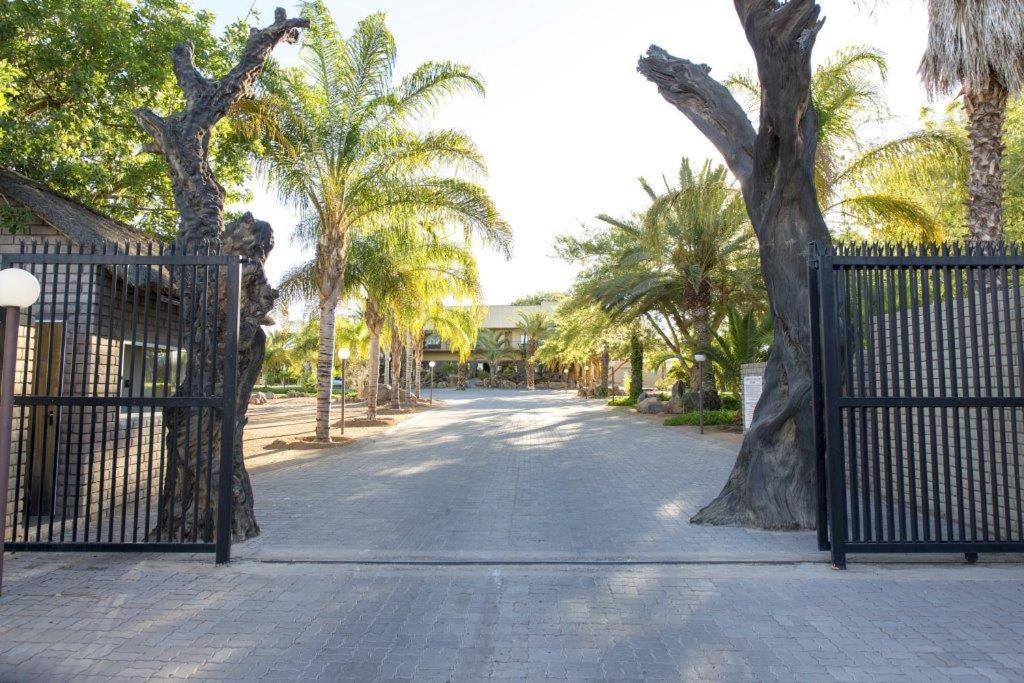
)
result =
(752, 382)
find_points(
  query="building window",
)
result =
(432, 341)
(150, 371)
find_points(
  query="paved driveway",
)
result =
(468, 543)
(511, 476)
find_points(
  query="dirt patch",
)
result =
(281, 432)
(366, 422)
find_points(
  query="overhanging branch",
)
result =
(707, 103)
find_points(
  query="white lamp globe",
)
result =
(432, 363)
(700, 357)
(18, 288)
(344, 353)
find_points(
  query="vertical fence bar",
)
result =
(834, 431)
(817, 395)
(229, 409)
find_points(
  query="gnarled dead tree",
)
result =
(183, 138)
(772, 483)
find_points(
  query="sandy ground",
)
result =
(280, 433)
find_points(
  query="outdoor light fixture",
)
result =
(432, 364)
(343, 354)
(700, 358)
(18, 289)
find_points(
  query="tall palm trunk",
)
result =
(605, 363)
(408, 366)
(986, 110)
(531, 369)
(325, 367)
(396, 368)
(373, 375)
(418, 356)
(706, 375)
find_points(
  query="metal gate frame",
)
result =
(831, 394)
(140, 257)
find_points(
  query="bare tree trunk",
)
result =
(986, 110)
(325, 368)
(396, 369)
(706, 376)
(182, 138)
(772, 483)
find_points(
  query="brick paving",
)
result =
(569, 481)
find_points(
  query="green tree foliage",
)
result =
(495, 347)
(538, 298)
(70, 75)
(938, 181)
(847, 94)
(345, 143)
(744, 337)
(676, 265)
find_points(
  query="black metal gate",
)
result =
(103, 363)
(919, 388)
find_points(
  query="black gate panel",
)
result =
(918, 361)
(102, 363)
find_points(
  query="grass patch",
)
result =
(622, 401)
(711, 418)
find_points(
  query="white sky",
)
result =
(568, 124)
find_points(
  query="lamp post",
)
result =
(18, 289)
(343, 354)
(700, 358)
(432, 364)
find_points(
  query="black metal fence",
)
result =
(919, 388)
(124, 340)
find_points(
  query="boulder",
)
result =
(257, 399)
(677, 404)
(651, 405)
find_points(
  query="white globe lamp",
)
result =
(18, 288)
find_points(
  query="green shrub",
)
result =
(730, 402)
(711, 417)
(622, 401)
(665, 395)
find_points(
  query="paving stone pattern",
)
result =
(95, 617)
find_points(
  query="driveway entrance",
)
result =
(509, 476)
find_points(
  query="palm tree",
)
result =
(399, 278)
(494, 346)
(746, 337)
(847, 94)
(340, 144)
(692, 252)
(535, 326)
(977, 46)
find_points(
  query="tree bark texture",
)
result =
(396, 368)
(373, 375)
(772, 482)
(531, 367)
(325, 368)
(605, 363)
(183, 139)
(986, 110)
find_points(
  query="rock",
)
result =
(257, 399)
(269, 395)
(295, 394)
(651, 406)
(677, 403)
